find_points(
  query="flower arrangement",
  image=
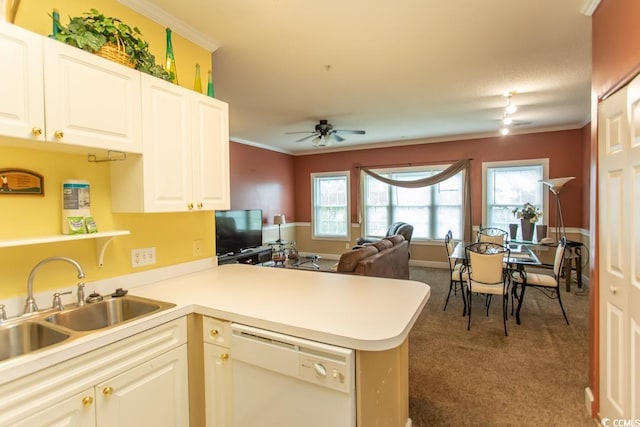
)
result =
(528, 211)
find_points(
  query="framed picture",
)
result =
(21, 181)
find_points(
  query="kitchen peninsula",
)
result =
(372, 316)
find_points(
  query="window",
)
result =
(509, 185)
(432, 210)
(330, 210)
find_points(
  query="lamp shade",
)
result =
(556, 184)
(279, 219)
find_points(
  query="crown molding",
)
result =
(153, 12)
(589, 7)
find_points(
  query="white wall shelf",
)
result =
(102, 240)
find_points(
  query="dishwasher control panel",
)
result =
(325, 372)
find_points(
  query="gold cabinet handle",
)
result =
(36, 131)
(190, 206)
(224, 356)
(58, 134)
(87, 400)
(213, 333)
(107, 391)
(200, 205)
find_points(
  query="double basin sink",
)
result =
(27, 334)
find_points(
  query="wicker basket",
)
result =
(116, 53)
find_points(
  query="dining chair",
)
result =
(458, 272)
(487, 275)
(549, 284)
(492, 235)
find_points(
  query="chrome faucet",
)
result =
(30, 304)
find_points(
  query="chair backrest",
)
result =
(559, 257)
(486, 261)
(449, 246)
(406, 230)
(492, 235)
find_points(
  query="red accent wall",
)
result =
(564, 150)
(615, 60)
(262, 179)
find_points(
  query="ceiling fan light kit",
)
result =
(509, 110)
(324, 132)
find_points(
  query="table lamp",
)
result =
(279, 219)
(555, 185)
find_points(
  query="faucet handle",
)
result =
(3, 313)
(57, 302)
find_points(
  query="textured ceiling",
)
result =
(402, 71)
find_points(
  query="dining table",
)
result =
(520, 256)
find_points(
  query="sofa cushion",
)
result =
(383, 244)
(395, 239)
(349, 260)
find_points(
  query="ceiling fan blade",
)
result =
(308, 136)
(358, 132)
(304, 131)
(337, 137)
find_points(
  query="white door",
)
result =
(91, 101)
(154, 394)
(21, 102)
(210, 154)
(75, 411)
(619, 253)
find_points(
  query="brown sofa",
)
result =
(388, 257)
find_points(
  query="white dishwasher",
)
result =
(284, 381)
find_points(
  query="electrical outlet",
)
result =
(142, 257)
(197, 247)
(346, 245)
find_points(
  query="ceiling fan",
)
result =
(323, 133)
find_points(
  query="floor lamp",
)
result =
(555, 185)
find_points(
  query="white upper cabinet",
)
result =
(21, 85)
(185, 165)
(90, 101)
(58, 93)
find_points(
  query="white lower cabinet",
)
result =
(138, 381)
(77, 410)
(218, 372)
(152, 394)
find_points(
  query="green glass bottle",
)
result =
(55, 17)
(170, 60)
(210, 85)
(197, 84)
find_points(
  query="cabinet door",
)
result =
(167, 147)
(155, 394)
(91, 101)
(210, 153)
(77, 410)
(218, 382)
(21, 102)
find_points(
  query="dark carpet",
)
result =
(536, 376)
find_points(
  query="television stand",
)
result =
(247, 256)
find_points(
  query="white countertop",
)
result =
(362, 313)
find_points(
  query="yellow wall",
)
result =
(25, 216)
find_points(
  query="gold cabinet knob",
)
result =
(213, 333)
(87, 400)
(58, 134)
(190, 206)
(107, 391)
(36, 131)
(224, 356)
(200, 205)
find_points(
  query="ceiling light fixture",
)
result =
(504, 131)
(507, 119)
(510, 108)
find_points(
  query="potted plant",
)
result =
(528, 215)
(96, 33)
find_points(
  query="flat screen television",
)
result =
(237, 230)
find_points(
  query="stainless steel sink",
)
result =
(27, 336)
(109, 312)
